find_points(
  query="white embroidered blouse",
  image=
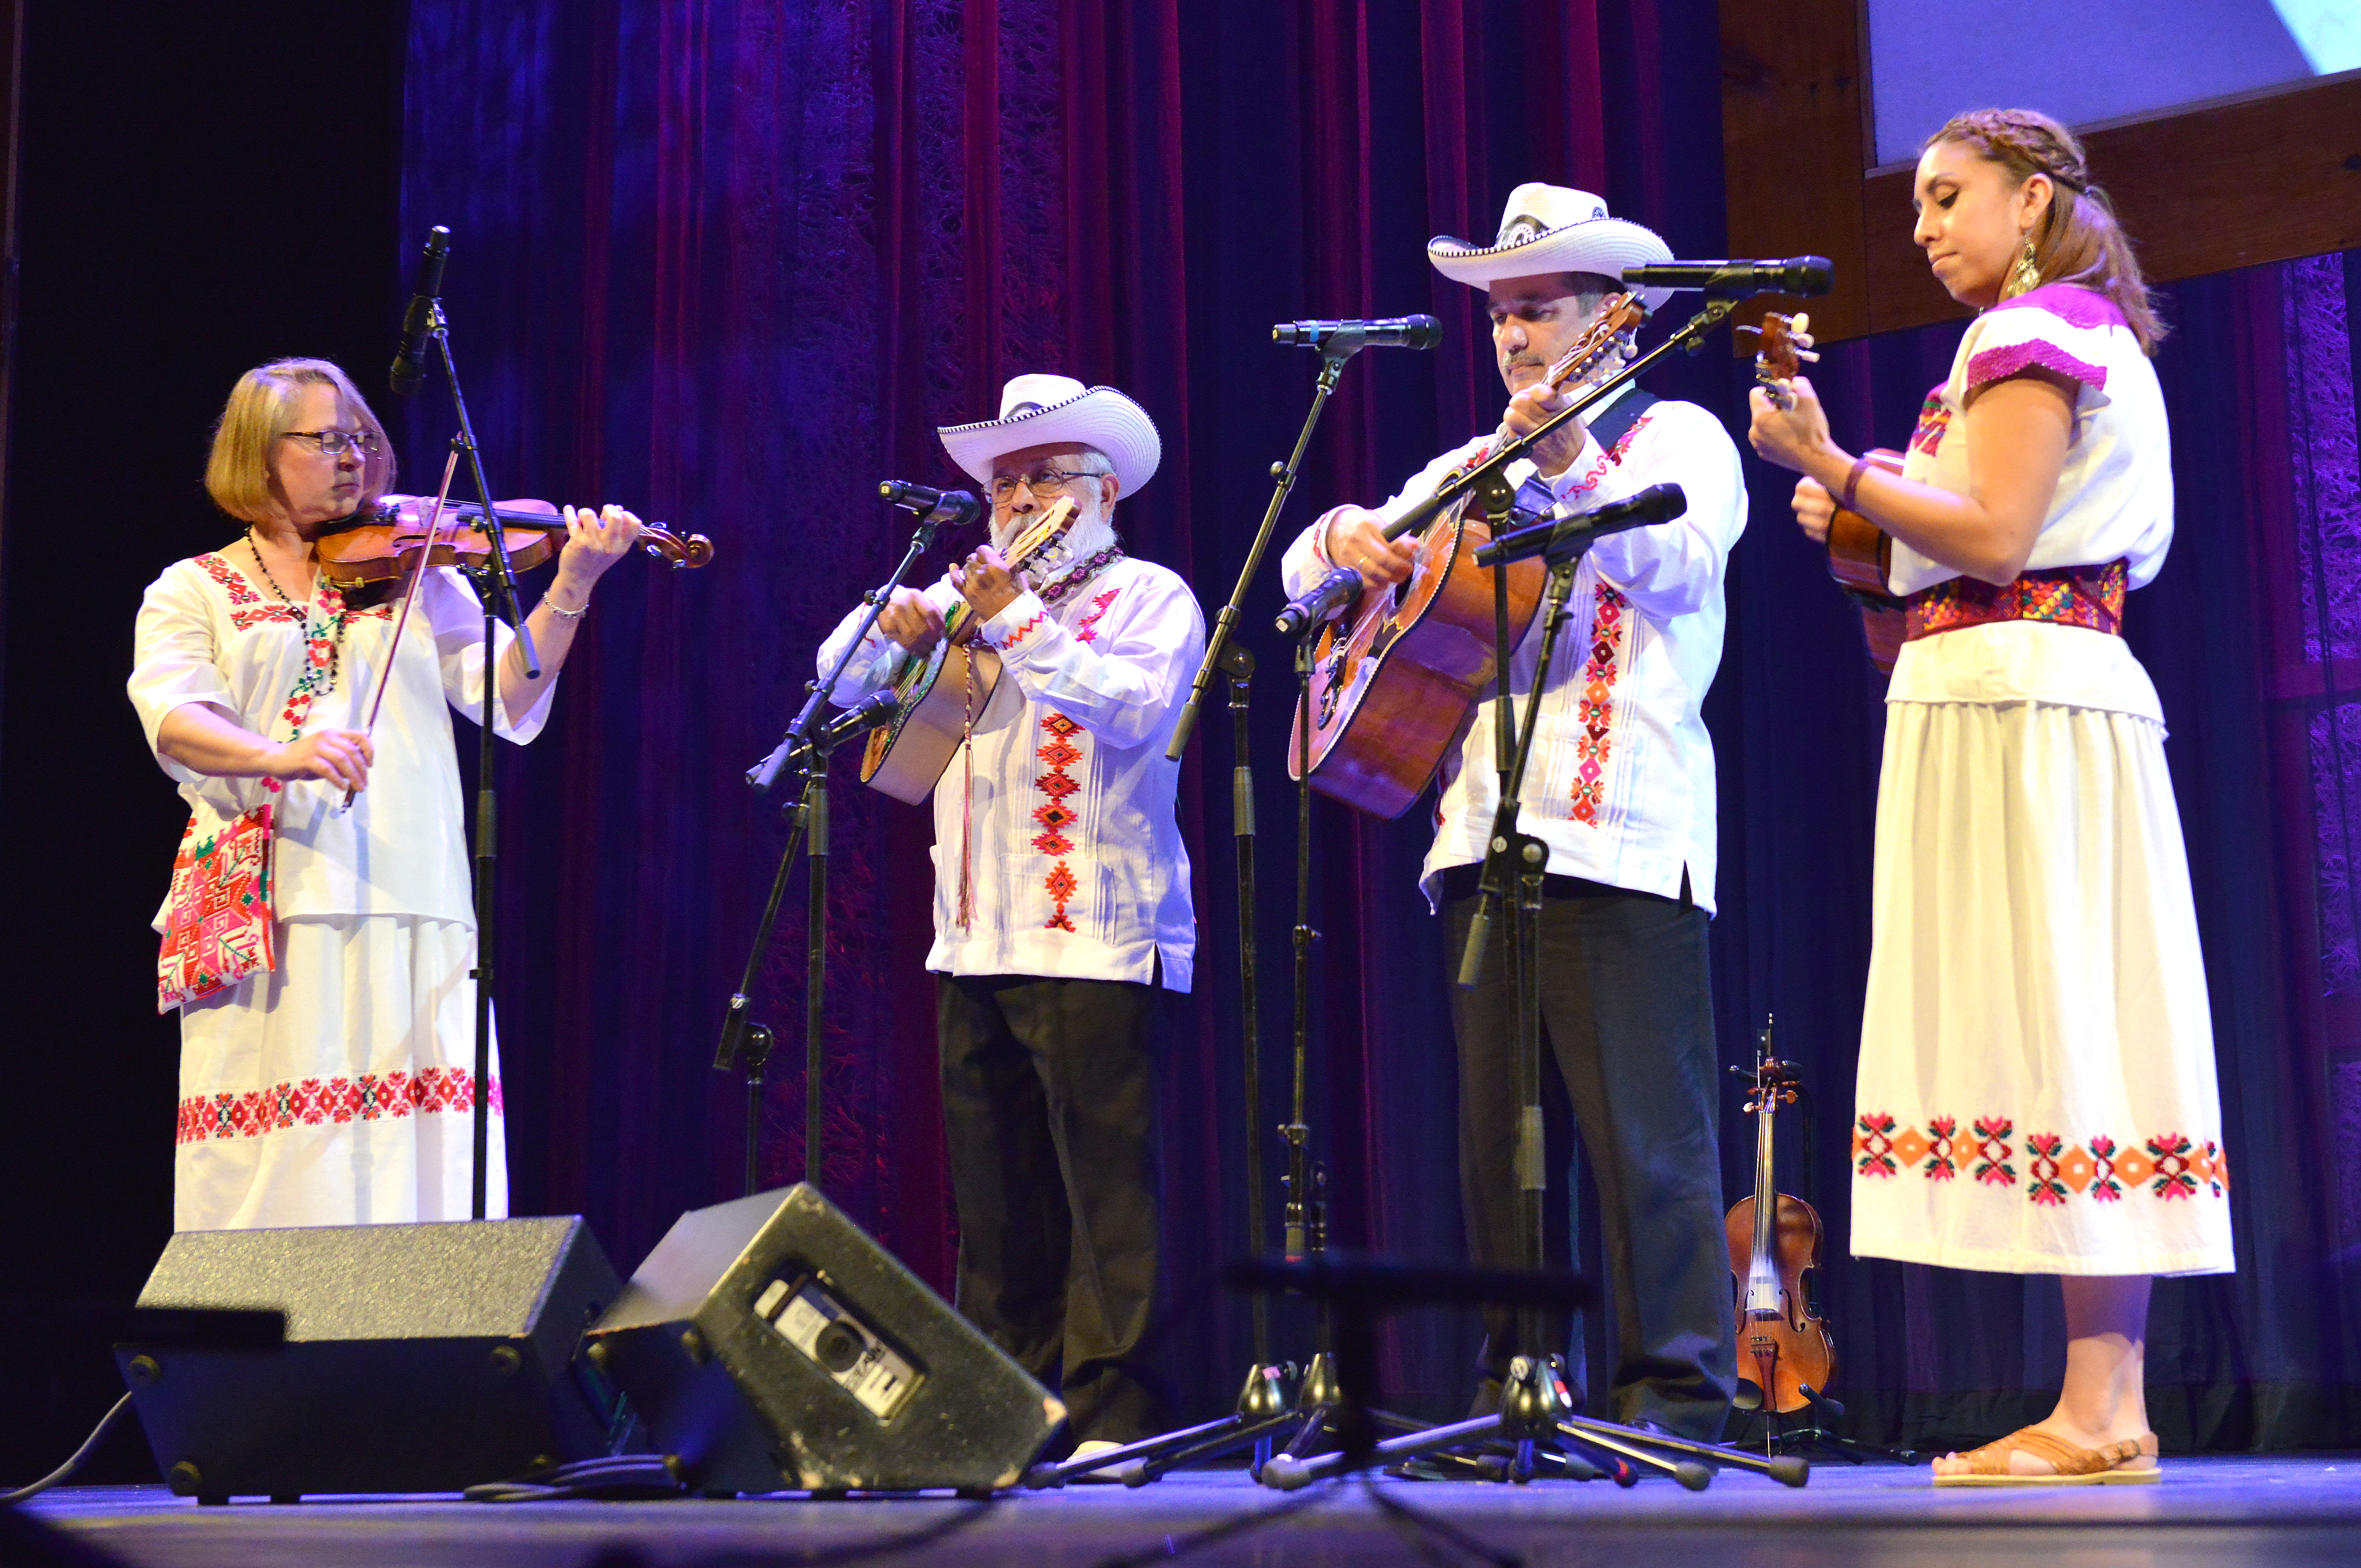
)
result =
(1076, 866)
(1622, 782)
(209, 633)
(2114, 501)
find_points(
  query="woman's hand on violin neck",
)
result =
(341, 757)
(594, 541)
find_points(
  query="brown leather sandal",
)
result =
(2130, 1463)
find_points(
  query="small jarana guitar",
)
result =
(1860, 553)
(1394, 676)
(940, 691)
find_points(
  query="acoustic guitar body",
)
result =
(906, 757)
(1392, 680)
(1861, 557)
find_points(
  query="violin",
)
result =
(380, 543)
(1774, 1241)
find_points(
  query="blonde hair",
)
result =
(261, 410)
(2077, 240)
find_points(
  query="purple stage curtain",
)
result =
(730, 262)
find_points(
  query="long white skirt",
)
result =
(2037, 1091)
(339, 1088)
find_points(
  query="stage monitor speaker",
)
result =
(770, 1345)
(417, 1358)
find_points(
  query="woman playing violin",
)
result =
(2037, 1092)
(319, 953)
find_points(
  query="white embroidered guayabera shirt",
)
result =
(1622, 782)
(1076, 865)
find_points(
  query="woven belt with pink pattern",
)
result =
(2090, 596)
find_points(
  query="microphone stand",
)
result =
(495, 585)
(803, 753)
(1269, 1403)
(1331, 365)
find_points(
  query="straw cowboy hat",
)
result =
(1057, 411)
(1553, 228)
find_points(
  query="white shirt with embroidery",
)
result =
(208, 633)
(1621, 786)
(2114, 501)
(1076, 866)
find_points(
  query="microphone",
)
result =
(957, 507)
(1732, 279)
(1346, 339)
(418, 321)
(871, 711)
(1657, 503)
(1332, 593)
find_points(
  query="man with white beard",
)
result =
(1062, 916)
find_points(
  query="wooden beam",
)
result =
(1792, 117)
(2259, 178)
(2203, 187)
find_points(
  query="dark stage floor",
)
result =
(2217, 1512)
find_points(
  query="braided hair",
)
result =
(2078, 241)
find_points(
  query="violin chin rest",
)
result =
(1748, 1396)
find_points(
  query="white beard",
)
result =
(1084, 539)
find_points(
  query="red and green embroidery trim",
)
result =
(2089, 597)
(1594, 711)
(1054, 816)
(2170, 1165)
(1087, 629)
(316, 1102)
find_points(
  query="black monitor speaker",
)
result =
(770, 1345)
(417, 1358)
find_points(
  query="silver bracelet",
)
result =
(555, 609)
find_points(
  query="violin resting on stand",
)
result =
(1786, 1357)
(1774, 1241)
(380, 543)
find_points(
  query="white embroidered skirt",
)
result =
(338, 1089)
(2037, 1092)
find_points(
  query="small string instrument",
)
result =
(381, 544)
(1394, 676)
(1861, 553)
(1774, 1241)
(906, 756)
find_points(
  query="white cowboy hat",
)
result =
(1553, 228)
(1057, 411)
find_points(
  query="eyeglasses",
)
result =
(336, 443)
(1044, 484)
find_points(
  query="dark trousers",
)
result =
(1627, 1056)
(1050, 1108)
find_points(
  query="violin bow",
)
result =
(409, 597)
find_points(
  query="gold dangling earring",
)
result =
(2026, 275)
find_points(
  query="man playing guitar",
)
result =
(1062, 918)
(1622, 790)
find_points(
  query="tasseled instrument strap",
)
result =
(967, 801)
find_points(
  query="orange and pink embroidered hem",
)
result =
(2167, 1166)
